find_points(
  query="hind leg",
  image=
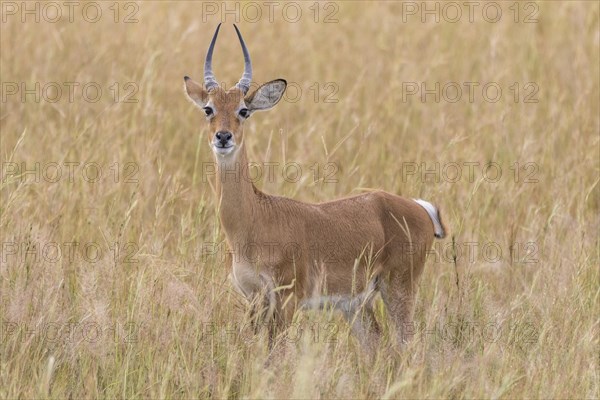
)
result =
(360, 314)
(399, 299)
(283, 314)
(365, 327)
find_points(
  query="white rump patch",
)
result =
(435, 217)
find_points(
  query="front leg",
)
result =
(263, 306)
(285, 307)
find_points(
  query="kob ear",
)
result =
(266, 96)
(196, 92)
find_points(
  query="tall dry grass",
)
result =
(158, 318)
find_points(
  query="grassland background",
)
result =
(152, 315)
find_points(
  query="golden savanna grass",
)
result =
(508, 304)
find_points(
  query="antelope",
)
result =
(345, 251)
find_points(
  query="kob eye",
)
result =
(208, 111)
(244, 113)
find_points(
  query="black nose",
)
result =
(223, 137)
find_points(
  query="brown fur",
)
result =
(386, 235)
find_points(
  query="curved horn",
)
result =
(210, 80)
(244, 83)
